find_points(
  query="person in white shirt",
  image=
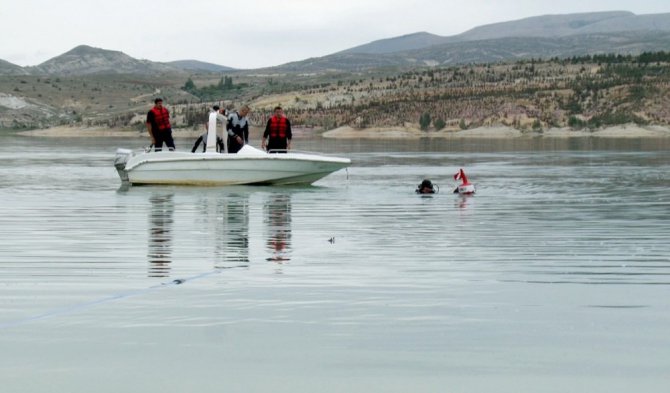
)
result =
(203, 138)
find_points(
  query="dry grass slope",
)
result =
(529, 96)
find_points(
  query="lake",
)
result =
(554, 277)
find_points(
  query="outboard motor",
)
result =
(120, 160)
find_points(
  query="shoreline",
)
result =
(499, 132)
(346, 132)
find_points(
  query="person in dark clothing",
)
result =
(426, 187)
(278, 133)
(158, 125)
(238, 129)
(203, 139)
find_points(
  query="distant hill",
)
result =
(398, 44)
(7, 68)
(377, 84)
(651, 22)
(570, 24)
(550, 26)
(195, 65)
(86, 60)
(546, 36)
(515, 48)
(489, 51)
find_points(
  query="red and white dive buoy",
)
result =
(465, 188)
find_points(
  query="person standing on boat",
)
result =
(203, 138)
(238, 129)
(158, 125)
(278, 133)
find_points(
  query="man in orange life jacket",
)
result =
(158, 125)
(278, 133)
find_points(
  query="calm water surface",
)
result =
(555, 277)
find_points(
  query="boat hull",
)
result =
(214, 169)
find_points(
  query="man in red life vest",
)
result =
(158, 125)
(278, 133)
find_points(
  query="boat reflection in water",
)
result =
(233, 245)
(278, 227)
(225, 222)
(159, 252)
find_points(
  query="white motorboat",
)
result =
(247, 166)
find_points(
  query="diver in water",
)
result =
(426, 187)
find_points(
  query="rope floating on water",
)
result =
(79, 307)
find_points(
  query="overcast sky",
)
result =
(254, 33)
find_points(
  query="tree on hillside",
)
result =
(424, 121)
(439, 123)
(189, 85)
(225, 83)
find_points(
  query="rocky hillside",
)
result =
(546, 26)
(398, 44)
(198, 66)
(487, 51)
(545, 37)
(582, 92)
(7, 68)
(587, 91)
(584, 73)
(566, 25)
(86, 60)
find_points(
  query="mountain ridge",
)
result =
(553, 25)
(197, 65)
(562, 35)
(7, 68)
(88, 60)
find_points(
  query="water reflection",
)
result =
(278, 227)
(226, 226)
(159, 252)
(233, 245)
(462, 201)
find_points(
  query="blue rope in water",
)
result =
(86, 305)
